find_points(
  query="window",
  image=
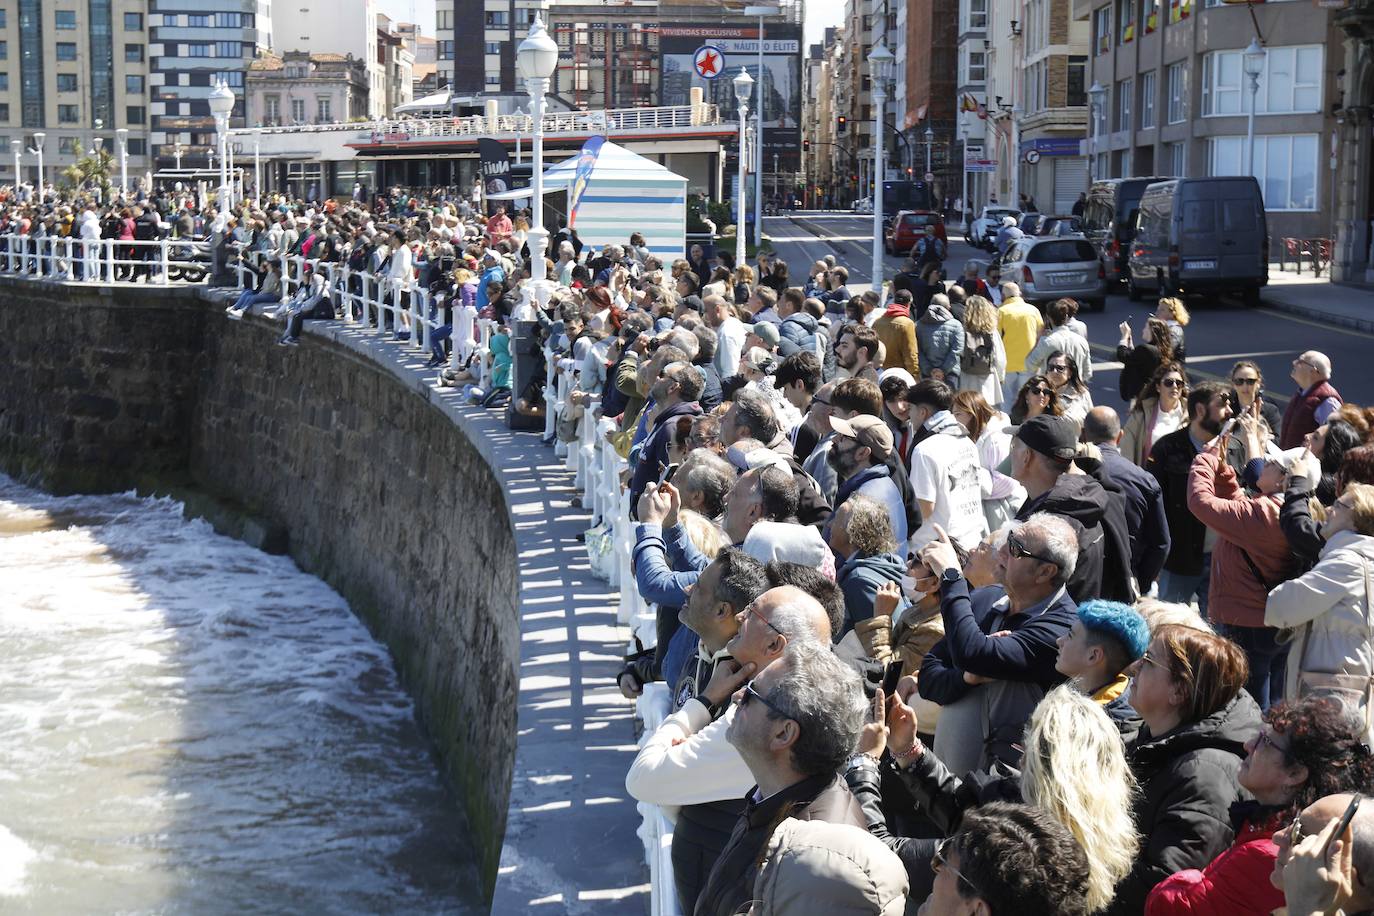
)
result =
(443, 20)
(581, 78)
(68, 114)
(1102, 31)
(445, 50)
(4, 50)
(497, 19)
(198, 49)
(977, 70)
(3, 20)
(133, 54)
(133, 85)
(272, 115)
(298, 111)
(323, 110)
(1151, 15)
(136, 114)
(4, 82)
(978, 15)
(4, 111)
(1174, 155)
(1285, 166)
(493, 79)
(1147, 100)
(66, 50)
(66, 82)
(228, 48)
(1077, 88)
(198, 20)
(1179, 10)
(228, 20)
(1124, 90)
(1125, 17)
(1291, 82)
(64, 20)
(1178, 93)
(138, 146)
(493, 47)
(232, 78)
(133, 22)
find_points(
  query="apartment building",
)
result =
(191, 45)
(299, 87)
(490, 31)
(932, 90)
(81, 72)
(397, 63)
(328, 26)
(1178, 98)
(608, 56)
(1352, 155)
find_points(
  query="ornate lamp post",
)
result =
(744, 87)
(880, 62)
(221, 104)
(537, 58)
(1096, 93)
(1254, 56)
(122, 135)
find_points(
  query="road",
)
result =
(1217, 336)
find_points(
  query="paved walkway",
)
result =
(1318, 298)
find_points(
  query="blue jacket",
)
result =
(1146, 522)
(798, 333)
(939, 343)
(653, 457)
(658, 578)
(491, 273)
(859, 579)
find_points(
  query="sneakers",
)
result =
(233, 314)
(288, 342)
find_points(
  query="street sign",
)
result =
(708, 62)
(980, 165)
(930, 176)
(1032, 156)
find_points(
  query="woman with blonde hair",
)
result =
(983, 364)
(1174, 314)
(743, 284)
(1074, 769)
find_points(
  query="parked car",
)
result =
(1109, 220)
(910, 225)
(1048, 268)
(1200, 235)
(1060, 225)
(983, 232)
(1030, 223)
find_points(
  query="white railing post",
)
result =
(165, 264)
(364, 300)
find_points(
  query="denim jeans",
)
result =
(247, 299)
(1180, 589)
(437, 338)
(1268, 660)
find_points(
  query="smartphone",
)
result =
(1344, 822)
(1227, 427)
(891, 676)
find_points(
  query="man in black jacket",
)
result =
(1146, 522)
(1187, 570)
(796, 724)
(751, 416)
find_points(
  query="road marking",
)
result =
(1205, 376)
(1298, 319)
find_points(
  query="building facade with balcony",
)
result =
(300, 88)
(187, 52)
(932, 91)
(1050, 53)
(476, 42)
(608, 56)
(397, 64)
(971, 106)
(336, 28)
(1178, 98)
(74, 74)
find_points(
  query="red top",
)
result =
(1235, 883)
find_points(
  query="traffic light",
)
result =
(806, 145)
(841, 123)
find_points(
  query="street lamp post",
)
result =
(744, 86)
(38, 139)
(1016, 153)
(18, 147)
(1254, 66)
(177, 151)
(122, 135)
(761, 12)
(537, 58)
(1096, 93)
(257, 166)
(880, 61)
(930, 143)
(221, 104)
(963, 152)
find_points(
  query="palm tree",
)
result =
(92, 169)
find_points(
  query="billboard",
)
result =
(779, 86)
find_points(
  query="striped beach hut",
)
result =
(628, 193)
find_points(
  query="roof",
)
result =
(272, 62)
(614, 163)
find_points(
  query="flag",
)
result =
(586, 161)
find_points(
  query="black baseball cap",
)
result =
(1053, 437)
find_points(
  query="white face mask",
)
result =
(909, 590)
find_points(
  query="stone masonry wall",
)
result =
(383, 496)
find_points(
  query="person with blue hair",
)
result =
(1106, 639)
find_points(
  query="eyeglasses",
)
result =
(749, 691)
(1145, 657)
(1264, 739)
(1042, 392)
(750, 609)
(1244, 382)
(1343, 505)
(1302, 362)
(1017, 549)
(941, 860)
(1055, 367)
(1172, 382)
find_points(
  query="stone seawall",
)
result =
(387, 497)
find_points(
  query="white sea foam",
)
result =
(189, 725)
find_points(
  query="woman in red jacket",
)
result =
(1306, 750)
(1251, 555)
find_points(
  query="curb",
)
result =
(1307, 311)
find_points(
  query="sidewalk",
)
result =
(1318, 298)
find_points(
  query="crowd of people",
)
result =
(940, 633)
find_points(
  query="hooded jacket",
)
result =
(1235, 883)
(1084, 501)
(1330, 608)
(1247, 526)
(859, 579)
(797, 334)
(1188, 782)
(940, 338)
(820, 867)
(653, 458)
(897, 333)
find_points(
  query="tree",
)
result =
(91, 170)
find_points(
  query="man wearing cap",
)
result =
(1042, 461)
(859, 456)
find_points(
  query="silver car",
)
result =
(1049, 268)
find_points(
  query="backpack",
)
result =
(977, 356)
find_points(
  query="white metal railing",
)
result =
(106, 261)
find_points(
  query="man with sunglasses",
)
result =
(795, 724)
(1313, 403)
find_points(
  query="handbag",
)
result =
(1354, 689)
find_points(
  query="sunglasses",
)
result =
(749, 691)
(1245, 382)
(941, 860)
(1018, 550)
(1172, 382)
(1056, 368)
(1042, 392)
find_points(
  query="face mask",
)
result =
(910, 591)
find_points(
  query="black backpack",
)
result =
(977, 356)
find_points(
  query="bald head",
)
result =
(1318, 362)
(797, 614)
(1101, 427)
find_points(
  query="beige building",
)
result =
(397, 64)
(74, 72)
(1178, 99)
(302, 88)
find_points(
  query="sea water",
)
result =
(188, 725)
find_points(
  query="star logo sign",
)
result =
(709, 65)
(709, 62)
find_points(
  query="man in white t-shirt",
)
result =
(944, 469)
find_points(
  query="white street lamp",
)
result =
(1096, 94)
(177, 151)
(930, 143)
(744, 87)
(1254, 55)
(761, 12)
(537, 58)
(38, 139)
(221, 104)
(880, 63)
(18, 147)
(963, 151)
(257, 165)
(122, 135)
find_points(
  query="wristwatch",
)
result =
(859, 760)
(950, 576)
